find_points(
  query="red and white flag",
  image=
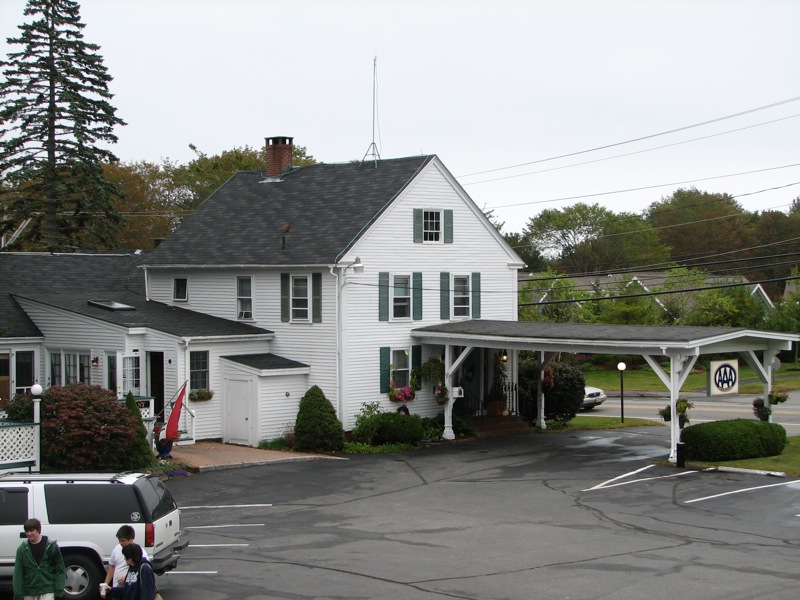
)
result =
(175, 415)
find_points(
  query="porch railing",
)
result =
(18, 446)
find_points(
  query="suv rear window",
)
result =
(157, 499)
(67, 504)
(13, 506)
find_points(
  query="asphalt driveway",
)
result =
(561, 516)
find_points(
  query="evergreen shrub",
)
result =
(141, 453)
(316, 428)
(736, 439)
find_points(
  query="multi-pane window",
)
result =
(77, 368)
(198, 370)
(432, 226)
(401, 371)
(300, 299)
(461, 296)
(131, 375)
(55, 368)
(244, 297)
(401, 297)
(180, 289)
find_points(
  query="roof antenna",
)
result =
(373, 149)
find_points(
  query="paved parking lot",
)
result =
(593, 515)
(561, 516)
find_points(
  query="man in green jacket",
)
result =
(39, 567)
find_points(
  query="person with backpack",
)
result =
(140, 582)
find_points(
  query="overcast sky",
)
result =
(484, 85)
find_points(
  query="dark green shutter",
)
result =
(476, 295)
(383, 296)
(417, 225)
(416, 296)
(316, 297)
(444, 295)
(285, 297)
(416, 362)
(386, 361)
(448, 226)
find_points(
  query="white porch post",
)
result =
(448, 382)
(540, 393)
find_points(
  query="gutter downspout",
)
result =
(338, 319)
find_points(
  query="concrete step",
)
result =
(500, 426)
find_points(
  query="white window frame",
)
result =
(244, 303)
(129, 371)
(401, 301)
(461, 302)
(300, 305)
(432, 226)
(175, 296)
(199, 376)
(400, 370)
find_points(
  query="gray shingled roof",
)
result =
(266, 361)
(70, 281)
(327, 207)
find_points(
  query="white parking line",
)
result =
(605, 487)
(226, 506)
(217, 545)
(173, 573)
(230, 525)
(758, 487)
(600, 485)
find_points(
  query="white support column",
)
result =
(448, 382)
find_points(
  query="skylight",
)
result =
(111, 305)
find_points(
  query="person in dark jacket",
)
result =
(39, 567)
(140, 582)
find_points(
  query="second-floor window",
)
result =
(401, 297)
(300, 298)
(461, 296)
(180, 289)
(244, 297)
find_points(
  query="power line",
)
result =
(646, 137)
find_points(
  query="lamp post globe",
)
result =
(36, 389)
(621, 366)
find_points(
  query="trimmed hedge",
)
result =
(736, 439)
(397, 428)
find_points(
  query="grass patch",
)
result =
(359, 448)
(787, 461)
(165, 467)
(580, 423)
(645, 380)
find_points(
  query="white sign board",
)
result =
(724, 377)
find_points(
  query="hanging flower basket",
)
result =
(441, 393)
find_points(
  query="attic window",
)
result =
(111, 305)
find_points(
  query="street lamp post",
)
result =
(36, 392)
(621, 366)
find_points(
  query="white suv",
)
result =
(82, 512)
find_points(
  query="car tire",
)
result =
(83, 577)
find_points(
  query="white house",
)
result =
(280, 280)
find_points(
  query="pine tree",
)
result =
(54, 109)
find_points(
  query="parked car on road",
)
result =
(82, 512)
(592, 397)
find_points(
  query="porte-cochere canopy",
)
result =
(682, 345)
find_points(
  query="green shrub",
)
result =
(365, 425)
(83, 428)
(733, 440)
(563, 401)
(316, 427)
(397, 428)
(141, 453)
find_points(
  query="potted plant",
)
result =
(778, 397)
(200, 394)
(441, 393)
(681, 406)
(429, 371)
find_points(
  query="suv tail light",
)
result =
(149, 535)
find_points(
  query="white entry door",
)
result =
(239, 416)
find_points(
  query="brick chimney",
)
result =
(279, 155)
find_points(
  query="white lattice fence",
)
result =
(17, 443)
